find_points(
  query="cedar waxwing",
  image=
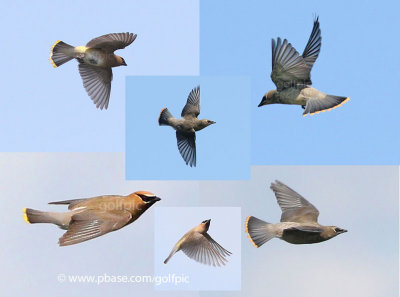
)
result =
(92, 217)
(186, 127)
(199, 246)
(291, 75)
(298, 224)
(95, 62)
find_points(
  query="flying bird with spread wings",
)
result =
(95, 62)
(88, 218)
(187, 126)
(291, 73)
(198, 245)
(299, 221)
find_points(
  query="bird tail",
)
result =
(33, 216)
(61, 53)
(164, 117)
(317, 105)
(258, 231)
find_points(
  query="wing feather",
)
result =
(112, 42)
(295, 208)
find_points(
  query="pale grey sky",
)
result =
(363, 199)
(362, 262)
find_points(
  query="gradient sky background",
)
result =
(31, 258)
(362, 262)
(47, 109)
(358, 59)
(222, 150)
(171, 223)
(362, 199)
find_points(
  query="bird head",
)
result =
(269, 98)
(147, 197)
(334, 231)
(206, 224)
(207, 123)
(121, 61)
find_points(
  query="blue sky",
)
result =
(77, 151)
(47, 109)
(357, 60)
(222, 149)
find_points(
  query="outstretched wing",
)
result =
(97, 82)
(295, 208)
(112, 42)
(201, 249)
(192, 107)
(187, 147)
(313, 46)
(289, 69)
(71, 203)
(89, 224)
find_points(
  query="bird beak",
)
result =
(262, 102)
(208, 221)
(155, 199)
(124, 64)
(212, 122)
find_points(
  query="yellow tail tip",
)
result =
(25, 216)
(246, 224)
(51, 53)
(55, 43)
(247, 231)
(252, 241)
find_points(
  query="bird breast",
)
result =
(184, 125)
(98, 58)
(291, 96)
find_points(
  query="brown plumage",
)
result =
(92, 217)
(95, 62)
(198, 245)
(299, 221)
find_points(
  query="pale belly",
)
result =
(94, 57)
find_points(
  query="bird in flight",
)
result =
(291, 73)
(88, 218)
(95, 62)
(299, 221)
(187, 126)
(198, 245)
